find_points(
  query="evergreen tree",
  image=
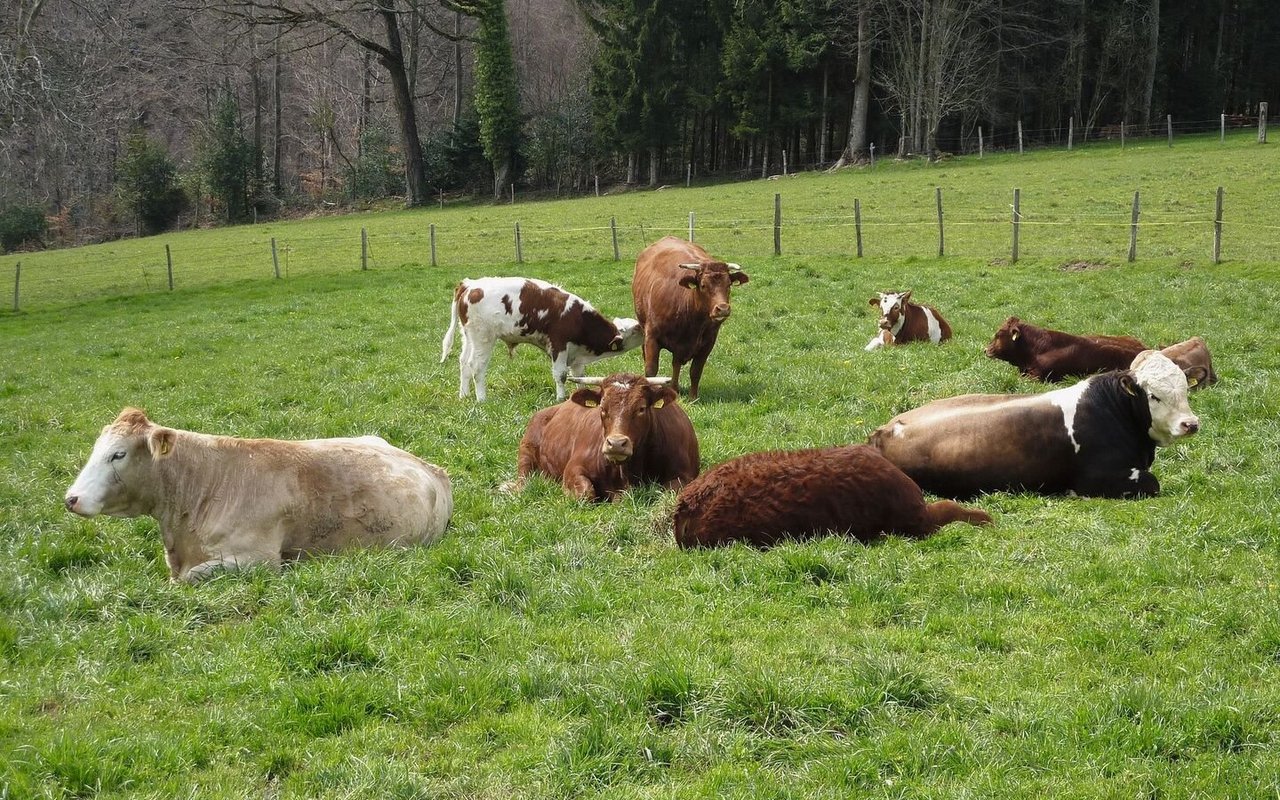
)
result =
(227, 160)
(148, 184)
(497, 97)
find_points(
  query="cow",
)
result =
(905, 321)
(1049, 355)
(682, 298)
(1096, 438)
(1193, 353)
(609, 435)
(762, 498)
(227, 503)
(528, 311)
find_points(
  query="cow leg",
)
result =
(211, 567)
(578, 485)
(559, 369)
(676, 364)
(464, 366)
(695, 373)
(876, 342)
(1132, 482)
(481, 352)
(651, 353)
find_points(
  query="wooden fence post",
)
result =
(1019, 137)
(784, 163)
(777, 224)
(1262, 123)
(1133, 231)
(433, 244)
(873, 154)
(688, 178)
(1017, 219)
(938, 192)
(168, 260)
(442, 199)
(364, 249)
(519, 249)
(979, 141)
(597, 186)
(1217, 228)
(613, 226)
(1169, 123)
(1122, 130)
(1222, 127)
(513, 194)
(17, 279)
(857, 224)
(691, 226)
(1071, 131)
(275, 258)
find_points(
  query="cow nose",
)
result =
(721, 311)
(1190, 426)
(617, 442)
(71, 501)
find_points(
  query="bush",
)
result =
(377, 171)
(149, 185)
(21, 225)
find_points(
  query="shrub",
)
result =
(21, 225)
(149, 184)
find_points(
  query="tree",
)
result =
(148, 184)
(860, 44)
(228, 160)
(497, 99)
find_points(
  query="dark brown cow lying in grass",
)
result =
(1049, 355)
(224, 503)
(1095, 438)
(762, 498)
(903, 321)
(609, 435)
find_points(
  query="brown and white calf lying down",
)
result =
(1193, 353)
(762, 498)
(527, 311)
(226, 503)
(1095, 438)
(1049, 355)
(609, 435)
(903, 321)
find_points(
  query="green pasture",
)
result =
(1077, 648)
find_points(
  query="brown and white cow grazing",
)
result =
(1095, 438)
(1193, 353)
(528, 311)
(1049, 355)
(225, 503)
(609, 435)
(762, 498)
(905, 321)
(682, 297)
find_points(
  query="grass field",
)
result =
(1076, 649)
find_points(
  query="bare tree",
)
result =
(860, 44)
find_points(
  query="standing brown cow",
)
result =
(682, 298)
(612, 433)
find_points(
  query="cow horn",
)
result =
(689, 266)
(734, 267)
(658, 381)
(585, 380)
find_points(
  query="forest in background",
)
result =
(125, 118)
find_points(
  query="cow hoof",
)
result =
(511, 487)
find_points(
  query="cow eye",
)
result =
(1156, 399)
(117, 455)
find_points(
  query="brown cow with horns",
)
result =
(610, 434)
(682, 297)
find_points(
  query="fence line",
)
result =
(122, 274)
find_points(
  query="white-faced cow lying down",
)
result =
(527, 311)
(762, 498)
(903, 321)
(609, 435)
(1095, 438)
(225, 503)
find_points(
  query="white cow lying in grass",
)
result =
(226, 503)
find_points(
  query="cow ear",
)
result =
(586, 397)
(1195, 375)
(1013, 334)
(875, 301)
(738, 277)
(1129, 385)
(905, 297)
(689, 281)
(659, 396)
(160, 442)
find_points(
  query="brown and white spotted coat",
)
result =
(903, 321)
(529, 311)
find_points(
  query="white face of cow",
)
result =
(1166, 387)
(631, 331)
(890, 300)
(112, 481)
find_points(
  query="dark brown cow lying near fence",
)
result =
(1049, 355)
(1193, 353)
(609, 435)
(903, 321)
(682, 297)
(762, 498)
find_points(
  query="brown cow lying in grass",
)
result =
(762, 498)
(903, 321)
(1049, 355)
(609, 435)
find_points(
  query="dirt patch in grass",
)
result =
(1084, 266)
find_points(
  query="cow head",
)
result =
(1007, 341)
(630, 334)
(625, 402)
(712, 280)
(891, 306)
(1165, 385)
(116, 479)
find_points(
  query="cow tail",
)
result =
(447, 344)
(944, 512)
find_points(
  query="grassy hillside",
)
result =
(1077, 648)
(1076, 206)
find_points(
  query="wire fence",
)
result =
(815, 219)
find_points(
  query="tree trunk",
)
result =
(414, 164)
(917, 123)
(277, 138)
(1153, 53)
(861, 95)
(653, 165)
(457, 71)
(823, 124)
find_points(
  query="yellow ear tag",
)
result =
(591, 403)
(659, 403)
(1192, 382)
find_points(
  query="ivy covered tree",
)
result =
(148, 184)
(497, 95)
